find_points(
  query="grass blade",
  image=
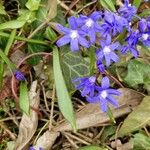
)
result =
(64, 100)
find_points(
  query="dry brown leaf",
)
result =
(91, 115)
(47, 140)
(28, 124)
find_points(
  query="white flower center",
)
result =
(74, 34)
(92, 79)
(145, 36)
(89, 22)
(103, 94)
(106, 50)
(129, 5)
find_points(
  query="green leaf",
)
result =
(34, 48)
(141, 142)
(24, 101)
(92, 148)
(145, 13)
(137, 3)
(22, 3)
(33, 5)
(50, 34)
(136, 119)
(13, 24)
(64, 100)
(108, 4)
(18, 23)
(2, 9)
(73, 66)
(138, 73)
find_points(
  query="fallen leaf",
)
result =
(28, 124)
(46, 140)
(91, 115)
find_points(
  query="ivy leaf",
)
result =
(138, 73)
(73, 66)
(135, 120)
(24, 101)
(33, 5)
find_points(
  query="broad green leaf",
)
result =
(137, 3)
(18, 23)
(33, 5)
(136, 119)
(73, 66)
(108, 4)
(64, 100)
(141, 142)
(2, 9)
(13, 24)
(138, 73)
(92, 148)
(41, 14)
(24, 101)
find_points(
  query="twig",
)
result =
(52, 107)
(12, 136)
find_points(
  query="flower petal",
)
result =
(113, 91)
(72, 22)
(112, 101)
(115, 45)
(92, 99)
(114, 57)
(96, 15)
(63, 41)
(105, 83)
(84, 42)
(103, 104)
(74, 44)
(107, 59)
(62, 29)
(92, 36)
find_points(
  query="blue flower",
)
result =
(32, 148)
(100, 66)
(90, 24)
(19, 75)
(127, 10)
(113, 24)
(104, 95)
(74, 36)
(129, 48)
(107, 51)
(86, 85)
(144, 30)
(131, 45)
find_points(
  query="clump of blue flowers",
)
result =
(101, 29)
